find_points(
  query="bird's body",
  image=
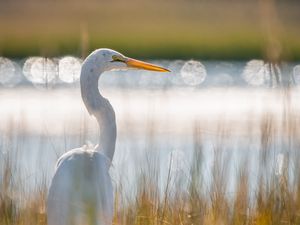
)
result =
(81, 191)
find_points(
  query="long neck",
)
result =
(101, 108)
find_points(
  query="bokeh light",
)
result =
(69, 69)
(256, 73)
(193, 73)
(10, 73)
(40, 71)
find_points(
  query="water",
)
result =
(48, 73)
(42, 115)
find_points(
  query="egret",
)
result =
(81, 189)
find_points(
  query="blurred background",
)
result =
(235, 29)
(215, 141)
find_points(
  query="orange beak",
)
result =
(145, 66)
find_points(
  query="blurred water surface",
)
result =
(221, 105)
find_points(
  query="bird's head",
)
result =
(104, 59)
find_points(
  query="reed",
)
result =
(184, 198)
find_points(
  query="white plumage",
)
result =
(81, 191)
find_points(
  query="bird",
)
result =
(81, 191)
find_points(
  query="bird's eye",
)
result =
(116, 58)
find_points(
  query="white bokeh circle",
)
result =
(193, 72)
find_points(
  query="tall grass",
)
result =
(187, 198)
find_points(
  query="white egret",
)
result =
(81, 189)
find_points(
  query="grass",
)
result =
(186, 198)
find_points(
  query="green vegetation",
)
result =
(147, 29)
